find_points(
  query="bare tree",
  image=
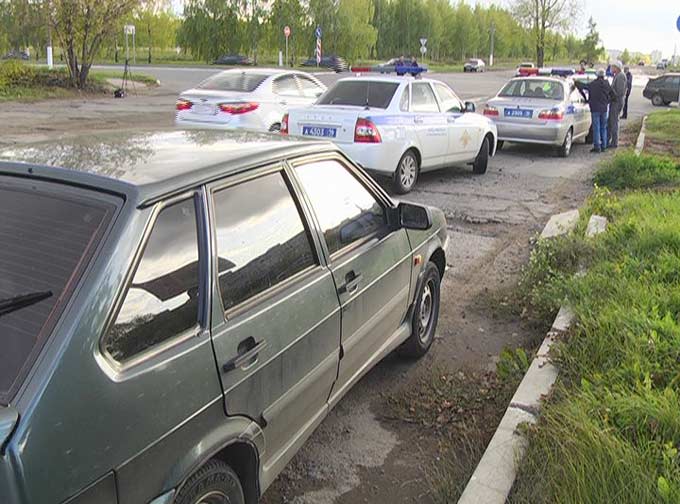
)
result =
(81, 26)
(544, 15)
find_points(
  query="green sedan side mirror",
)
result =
(414, 216)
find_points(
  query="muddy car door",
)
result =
(276, 316)
(371, 263)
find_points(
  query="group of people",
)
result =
(607, 103)
(401, 62)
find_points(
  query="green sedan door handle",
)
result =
(351, 283)
(247, 354)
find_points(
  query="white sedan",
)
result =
(253, 98)
(397, 126)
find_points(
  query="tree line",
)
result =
(357, 30)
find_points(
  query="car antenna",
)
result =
(368, 88)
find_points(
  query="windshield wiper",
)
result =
(17, 302)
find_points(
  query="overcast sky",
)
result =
(638, 25)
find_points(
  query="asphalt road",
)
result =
(469, 86)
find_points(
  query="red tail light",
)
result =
(491, 111)
(552, 114)
(366, 132)
(183, 104)
(284, 125)
(238, 108)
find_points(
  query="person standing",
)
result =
(599, 97)
(619, 86)
(629, 88)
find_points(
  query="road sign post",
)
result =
(317, 32)
(286, 33)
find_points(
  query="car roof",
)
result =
(147, 166)
(397, 79)
(541, 78)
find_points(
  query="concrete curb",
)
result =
(495, 474)
(640, 144)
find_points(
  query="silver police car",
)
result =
(545, 110)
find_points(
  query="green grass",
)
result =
(103, 75)
(24, 82)
(663, 132)
(628, 171)
(611, 431)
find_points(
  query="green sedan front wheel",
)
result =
(425, 314)
(214, 483)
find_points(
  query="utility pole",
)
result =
(493, 34)
(50, 62)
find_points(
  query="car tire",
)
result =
(482, 160)
(565, 149)
(657, 101)
(275, 128)
(425, 314)
(406, 174)
(499, 145)
(215, 480)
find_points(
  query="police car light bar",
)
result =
(399, 70)
(557, 72)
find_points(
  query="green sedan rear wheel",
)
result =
(214, 483)
(425, 314)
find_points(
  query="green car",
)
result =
(180, 310)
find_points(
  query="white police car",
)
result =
(397, 126)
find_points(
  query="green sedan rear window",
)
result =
(47, 238)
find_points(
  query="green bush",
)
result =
(628, 171)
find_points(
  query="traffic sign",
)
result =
(423, 50)
(129, 29)
(678, 23)
(286, 31)
(423, 42)
(317, 32)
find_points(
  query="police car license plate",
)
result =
(319, 131)
(526, 113)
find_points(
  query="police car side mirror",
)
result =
(469, 106)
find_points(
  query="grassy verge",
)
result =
(663, 133)
(611, 430)
(23, 82)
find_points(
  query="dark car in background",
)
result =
(180, 310)
(663, 90)
(234, 59)
(16, 55)
(336, 63)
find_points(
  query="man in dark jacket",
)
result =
(599, 97)
(629, 88)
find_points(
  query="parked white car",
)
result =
(397, 126)
(474, 65)
(254, 98)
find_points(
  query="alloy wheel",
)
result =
(407, 171)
